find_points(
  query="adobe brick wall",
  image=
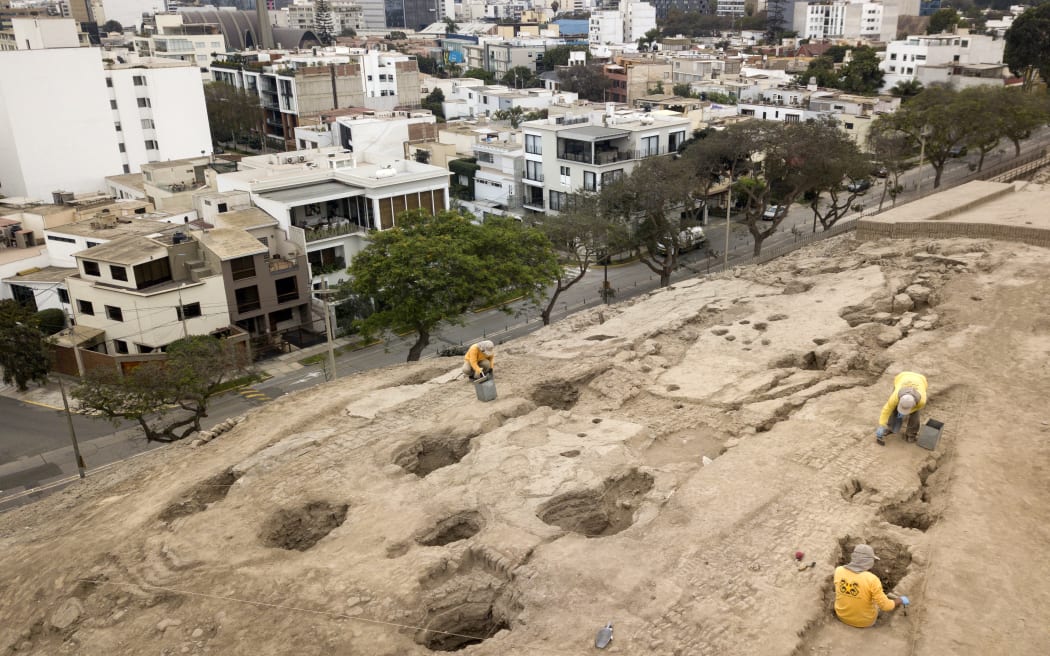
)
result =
(871, 230)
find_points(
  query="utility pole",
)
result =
(922, 153)
(182, 314)
(729, 206)
(72, 431)
(328, 330)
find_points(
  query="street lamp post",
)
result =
(72, 432)
(922, 152)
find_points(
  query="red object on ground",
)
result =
(799, 555)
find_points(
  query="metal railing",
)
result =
(328, 232)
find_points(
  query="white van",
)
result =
(689, 239)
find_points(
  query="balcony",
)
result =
(532, 178)
(322, 231)
(288, 297)
(248, 306)
(278, 265)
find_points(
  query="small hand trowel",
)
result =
(604, 637)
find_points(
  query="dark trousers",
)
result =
(912, 431)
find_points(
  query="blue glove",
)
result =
(881, 431)
(904, 600)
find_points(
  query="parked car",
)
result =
(689, 239)
(880, 172)
(858, 186)
(957, 151)
(770, 213)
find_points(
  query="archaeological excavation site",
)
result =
(655, 464)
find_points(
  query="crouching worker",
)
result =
(479, 358)
(858, 592)
(909, 396)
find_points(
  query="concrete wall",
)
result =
(58, 135)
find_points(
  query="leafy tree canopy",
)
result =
(24, 353)
(942, 20)
(559, 56)
(430, 270)
(588, 81)
(1027, 48)
(112, 26)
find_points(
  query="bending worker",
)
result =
(909, 396)
(858, 592)
(479, 358)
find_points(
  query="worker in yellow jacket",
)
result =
(909, 396)
(858, 592)
(479, 358)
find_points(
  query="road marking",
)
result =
(253, 394)
(45, 405)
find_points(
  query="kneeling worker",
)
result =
(479, 358)
(858, 592)
(909, 396)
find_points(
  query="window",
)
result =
(590, 181)
(63, 296)
(849, 126)
(610, 177)
(287, 290)
(112, 104)
(564, 170)
(533, 144)
(242, 268)
(114, 313)
(151, 144)
(558, 200)
(118, 272)
(486, 157)
(122, 148)
(91, 244)
(127, 169)
(792, 118)
(222, 207)
(91, 268)
(118, 127)
(147, 124)
(120, 345)
(62, 239)
(675, 140)
(142, 102)
(139, 80)
(109, 82)
(247, 299)
(152, 273)
(650, 146)
(188, 311)
(85, 307)
(534, 170)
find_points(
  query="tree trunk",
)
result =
(422, 340)
(980, 162)
(1017, 147)
(758, 245)
(545, 314)
(937, 171)
(665, 277)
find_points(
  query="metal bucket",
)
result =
(485, 388)
(930, 434)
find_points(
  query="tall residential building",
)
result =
(32, 33)
(346, 14)
(307, 84)
(960, 59)
(411, 14)
(196, 43)
(701, 6)
(874, 21)
(569, 153)
(626, 24)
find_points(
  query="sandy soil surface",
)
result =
(655, 463)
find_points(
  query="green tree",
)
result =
(427, 64)
(349, 32)
(1027, 48)
(233, 114)
(450, 26)
(683, 90)
(842, 161)
(559, 56)
(906, 89)
(430, 270)
(645, 43)
(890, 151)
(654, 200)
(51, 321)
(862, 74)
(396, 35)
(24, 352)
(324, 26)
(581, 236)
(1019, 112)
(168, 398)
(822, 70)
(942, 20)
(931, 120)
(480, 74)
(521, 77)
(587, 81)
(112, 26)
(434, 102)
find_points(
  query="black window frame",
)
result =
(91, 268)
(118, 272)
(114, 313)
(188, 311)
(85, 307)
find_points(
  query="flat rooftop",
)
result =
(228, 243)
(45, 274)
(126, 250)
(121, 227)
(251, 217)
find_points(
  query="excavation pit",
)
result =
(892, 565)
(470, 624)
(197, 499)
(452, 529)
(299, 529)
(910, 515)
(558, 394)
(432, 453)
(600, 512)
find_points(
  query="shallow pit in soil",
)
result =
(467, 610)
(429, 454)
(915, 515)
(299, 529)
(689, 445)
(605, 510)
(198, 498)
(558, 394)
(452, 529)
(892, 565)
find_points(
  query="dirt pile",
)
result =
(687, 447)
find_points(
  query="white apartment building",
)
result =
(584, 152)
(466, 102)
(497, 182)
(841, 19)
(172, 42)
(39, 33)
(372, 138)
(328, 201)
(626, 24)
(300, 15)
(962, 59)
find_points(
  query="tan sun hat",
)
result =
(906, 404)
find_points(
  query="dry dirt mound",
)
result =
(689, 445)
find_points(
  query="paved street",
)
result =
(34, 441)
